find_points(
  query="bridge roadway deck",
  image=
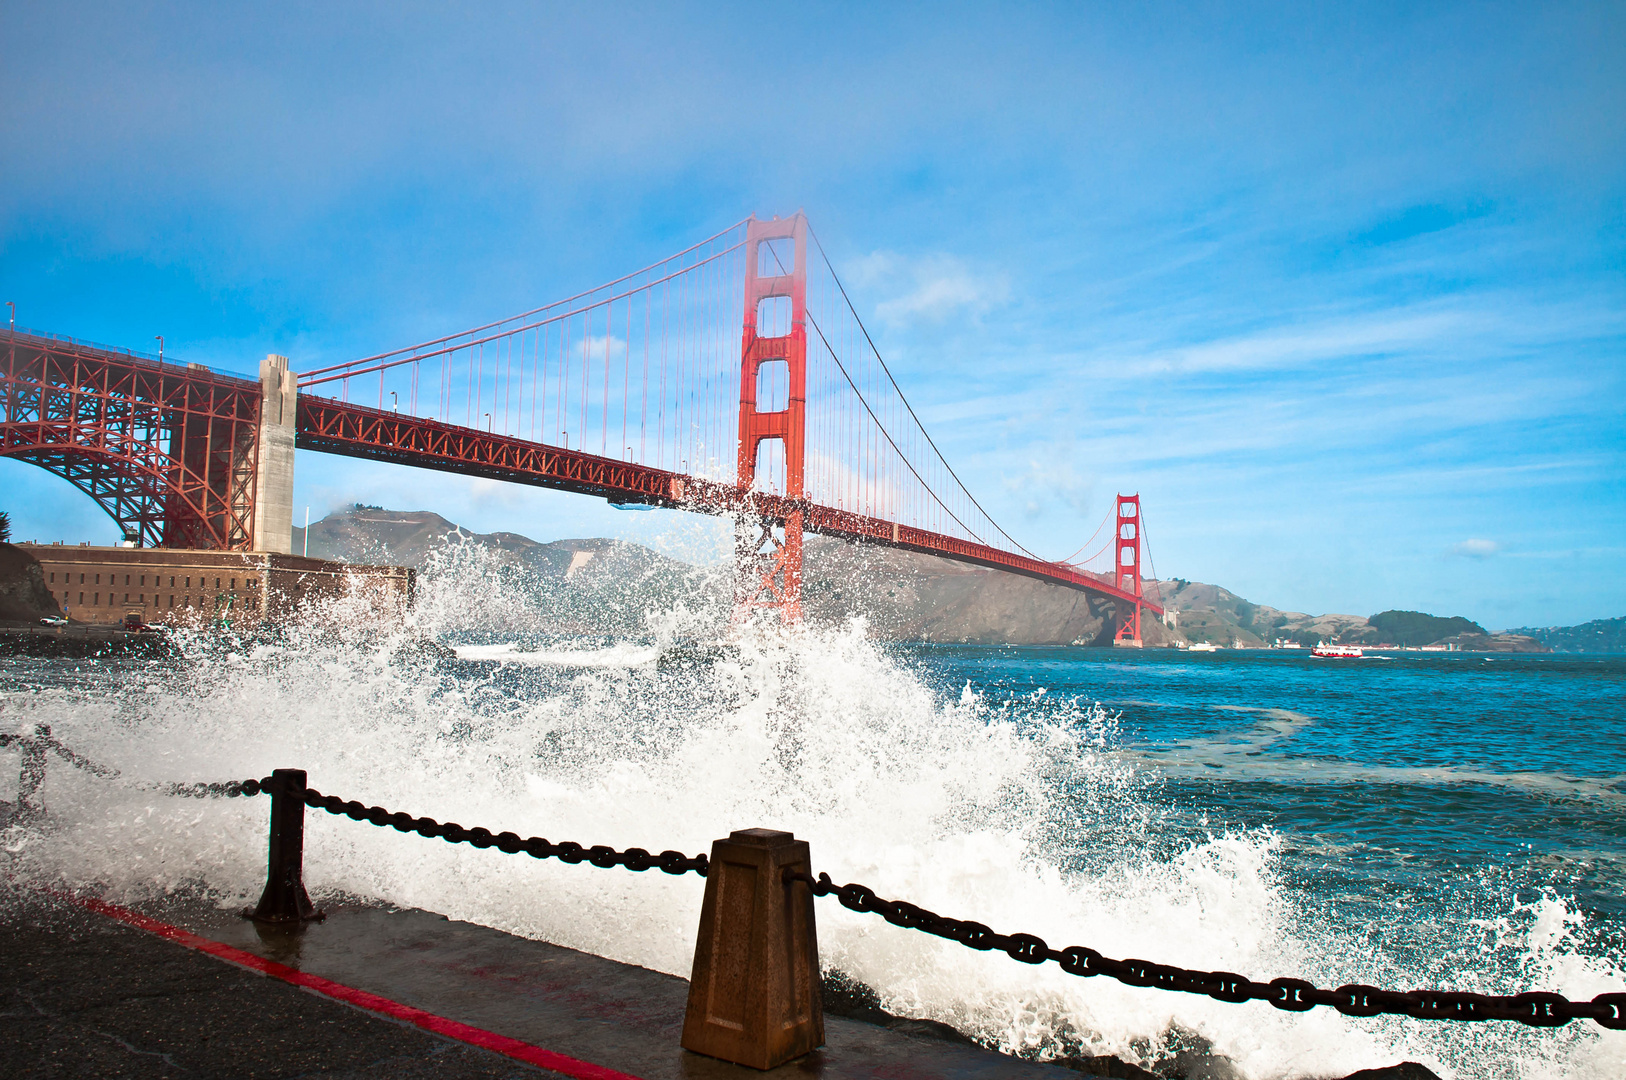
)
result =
(85, 995)
(352, 430)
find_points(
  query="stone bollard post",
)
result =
(754, 992)
(284, 899)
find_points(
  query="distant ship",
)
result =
(1203, 646)
(1337, 652)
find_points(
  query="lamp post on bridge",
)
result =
(160, 339)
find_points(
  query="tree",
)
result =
(5, 527)
(1244, 614)
(1418, 628)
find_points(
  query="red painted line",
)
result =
(451, 1029)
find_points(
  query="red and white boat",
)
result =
(1337, 652)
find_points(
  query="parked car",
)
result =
(53, 620)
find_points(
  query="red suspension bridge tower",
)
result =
(769, 548)
(1127, 546)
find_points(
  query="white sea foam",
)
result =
(1023, 817)
(620, 655)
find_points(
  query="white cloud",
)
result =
(926, 287)
(1052, 481)
(1475, 549)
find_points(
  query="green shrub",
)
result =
(1417, 628)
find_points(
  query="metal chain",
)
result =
(229, 790)
(1293, 995)
(1535, 1009)
(637, 859)
(34, 746)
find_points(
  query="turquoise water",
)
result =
(1456, 778)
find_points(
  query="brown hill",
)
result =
(906, 596)
(599, 584)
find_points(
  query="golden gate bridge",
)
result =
(638, 392)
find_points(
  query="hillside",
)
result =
(1211, 613)
(602, 585)
(1597, 636)
(907, 596)
(573, 586)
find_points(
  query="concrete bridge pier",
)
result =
(274, 480)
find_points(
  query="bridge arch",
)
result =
(168, 451)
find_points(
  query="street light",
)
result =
(160, 339)
(488, 422)
(13, 308)
(395, 402)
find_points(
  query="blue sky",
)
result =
(1339, 290)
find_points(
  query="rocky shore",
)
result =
(24, 596)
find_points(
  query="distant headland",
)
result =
(589, 585)
(910, 596)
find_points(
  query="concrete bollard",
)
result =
(754, 992)
(284, 899)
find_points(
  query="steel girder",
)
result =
(168, 451)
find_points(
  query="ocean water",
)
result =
(1418, 820)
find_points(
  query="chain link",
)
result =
(1536, 1009)
(1291, 995)
(601, 855)
(229, 790)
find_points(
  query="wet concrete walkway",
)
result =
(85, 995)
(82, 995)
(617, 1015)
(88, 996)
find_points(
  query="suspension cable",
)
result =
(922, 427)
(880, 426)
(1146, 541)
(533, 311)
(1087, 543)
